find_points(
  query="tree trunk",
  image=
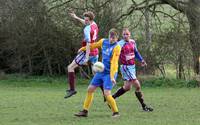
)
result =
(149, 57)
(162, 70)
(147, 27)
(59, 69)
(193, 15)
(20, 64)
(48, 59)
(30, 65)
(180, 68)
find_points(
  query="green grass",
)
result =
(39, 101)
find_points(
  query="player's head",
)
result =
(113, 35)
(88, 17)
(126, 34)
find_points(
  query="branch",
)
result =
(166, 14)
(139, 6)
(178, 5)
(102, 5)
(136, 25)
(59, 5)
(77, 8)
(149, 6)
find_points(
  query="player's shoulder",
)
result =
(121, 42)
(94, 25)
(117, 48)
(105, 39)
(132, 41)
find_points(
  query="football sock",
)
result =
(71, 80)
(88, 100)
(139, 96)
(119, 92)
(112, 103)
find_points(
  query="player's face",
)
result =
(126, 35)
(112, 38)
(87, 20)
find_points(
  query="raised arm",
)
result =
(73, 15)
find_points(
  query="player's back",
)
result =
(94, 32)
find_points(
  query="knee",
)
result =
(137, 88)
(90, 90)
(107, 93)
(69, 68)
(137, 85)
(127, 87)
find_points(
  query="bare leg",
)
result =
(127, 86)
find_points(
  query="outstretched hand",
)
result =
(72, 14)
(113, 81)
(79, 50)
(86, 61)
(143, 63)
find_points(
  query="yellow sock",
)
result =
(88, 100)
(112, 103)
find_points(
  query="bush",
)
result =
(192, 84)
(167, 82)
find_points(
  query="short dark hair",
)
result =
(89, 14)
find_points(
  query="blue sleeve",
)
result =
(87, 33)
(137, 54)
(121, 43)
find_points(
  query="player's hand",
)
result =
(86, 61)
(113, 81)
(79, 50)
(72, 14)
(143, 63)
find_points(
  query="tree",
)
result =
(191, 8)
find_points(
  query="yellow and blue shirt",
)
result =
(110, 55)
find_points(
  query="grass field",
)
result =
(40, 102)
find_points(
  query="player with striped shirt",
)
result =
(90, 32)
(129, 53)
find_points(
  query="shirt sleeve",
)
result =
(94, 45)
(137, 54)
(87, 33)
(114, 61)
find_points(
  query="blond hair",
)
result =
(114, 32)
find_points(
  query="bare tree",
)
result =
(191, 8)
